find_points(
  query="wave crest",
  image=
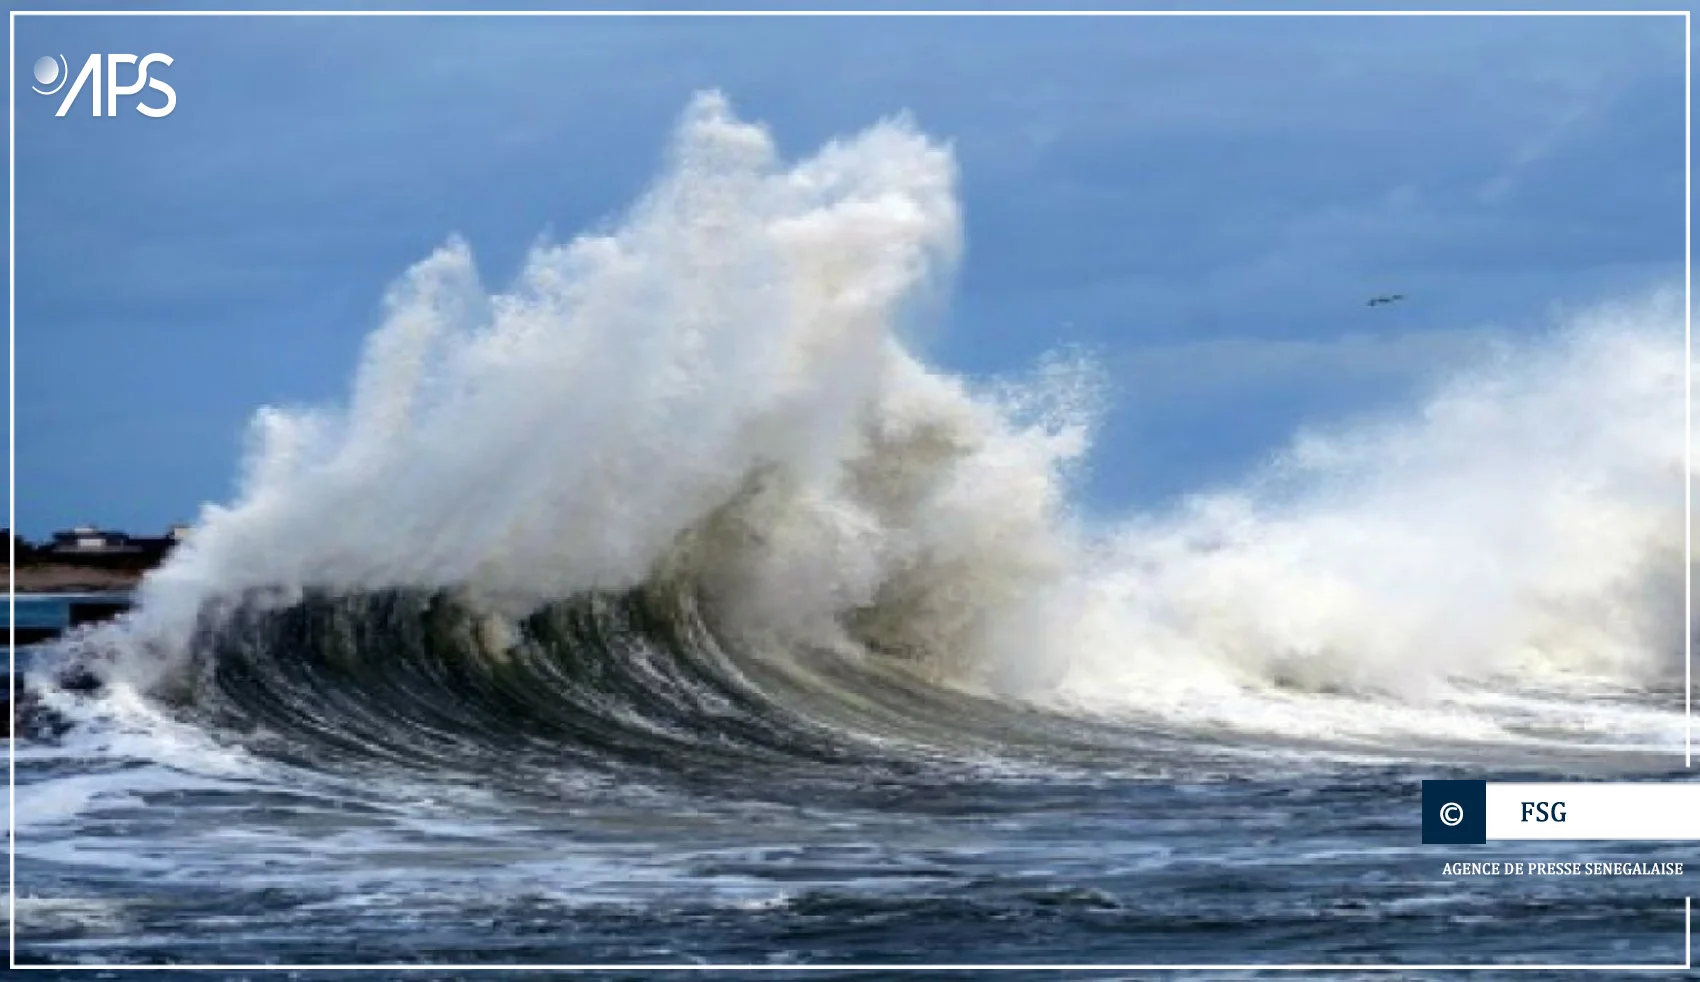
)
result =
(719, 395)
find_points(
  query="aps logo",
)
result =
(53, 72)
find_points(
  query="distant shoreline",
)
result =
(87, 559)
(69, 578)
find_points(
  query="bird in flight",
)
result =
(1385, 299)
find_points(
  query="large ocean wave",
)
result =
(686, 496)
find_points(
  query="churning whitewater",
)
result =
(686, 494)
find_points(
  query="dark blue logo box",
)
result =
(1454, 812)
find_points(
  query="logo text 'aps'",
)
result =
(53, 73)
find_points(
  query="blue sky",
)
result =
(1205, 203)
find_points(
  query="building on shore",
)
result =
(86, 539)
(95, 546)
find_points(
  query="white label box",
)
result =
(1594, 810)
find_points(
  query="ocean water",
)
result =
(666, 607)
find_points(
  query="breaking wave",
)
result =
(685, 493)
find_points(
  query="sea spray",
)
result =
(1524, 521)
(719, 394)
(736, 341)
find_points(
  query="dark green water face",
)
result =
(301, 808)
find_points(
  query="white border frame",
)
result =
(11, 546)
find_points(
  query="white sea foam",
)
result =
(1525, 520)
(722, 387)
